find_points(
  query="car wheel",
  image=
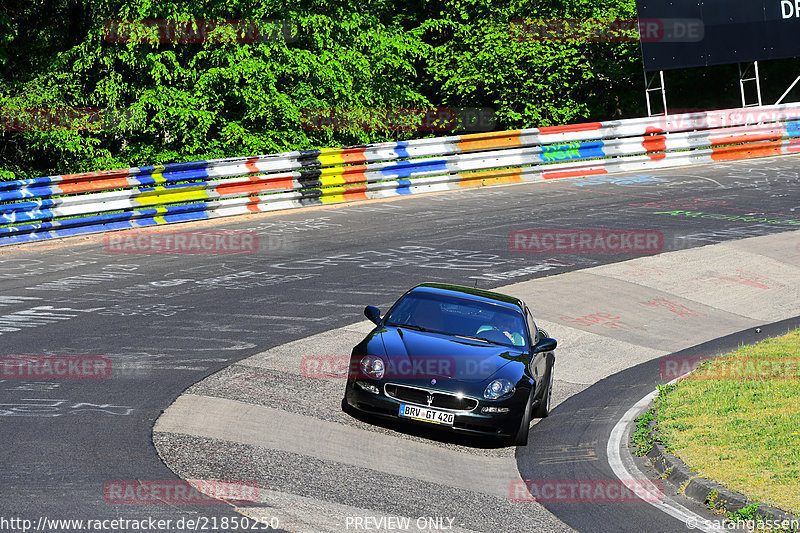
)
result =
(544, 405)
(521, 438)
(346, 406)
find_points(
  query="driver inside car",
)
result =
(506, 325)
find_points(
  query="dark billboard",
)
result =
(695, 33)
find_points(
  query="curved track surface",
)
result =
(573, 426)
(307, 439)
(168, 321)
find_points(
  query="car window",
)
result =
(534, 331)
(459, 316)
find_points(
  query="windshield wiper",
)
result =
(426, 330)
(415, 327)
(470, 337)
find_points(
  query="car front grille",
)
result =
(443, 400)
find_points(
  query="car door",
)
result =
(538, 364)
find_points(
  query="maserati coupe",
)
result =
(463, 359)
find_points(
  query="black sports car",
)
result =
(468, 360)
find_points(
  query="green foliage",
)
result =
(163, 102)
(534, 79)
(646, 434)
(745, 513)
(711, 500)
(757, 521)
(642, 438)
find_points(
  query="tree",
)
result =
(91, 84)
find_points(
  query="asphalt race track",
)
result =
(631, 318)
(564, 429)
(167, 322)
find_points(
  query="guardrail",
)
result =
(73, 204)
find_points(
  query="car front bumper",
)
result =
(472, 422)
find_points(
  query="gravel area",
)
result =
(321, 398)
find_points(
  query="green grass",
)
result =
(736, 420)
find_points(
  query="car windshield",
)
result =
(490, 323)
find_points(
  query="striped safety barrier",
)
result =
(74, 204)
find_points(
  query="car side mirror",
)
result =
(373, 313)
(545, 345)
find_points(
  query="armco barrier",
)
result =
(73, 204)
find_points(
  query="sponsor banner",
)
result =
(54, 367)
(181, 242)
(179, 491)
(741, 32)
(586, 490)
(586, 241)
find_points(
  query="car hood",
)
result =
(418, 355)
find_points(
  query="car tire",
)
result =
(521, 438)
(346, 406)
(543, 409)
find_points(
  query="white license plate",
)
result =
(427, 414)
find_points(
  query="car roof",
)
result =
(460, 291)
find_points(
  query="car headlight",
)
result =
(498, 388)
(372, 366)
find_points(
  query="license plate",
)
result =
(426, 414)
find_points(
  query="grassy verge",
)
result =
(736, 420)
